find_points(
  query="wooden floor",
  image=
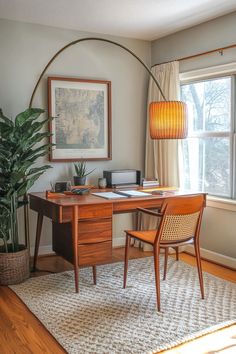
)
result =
(22, 333)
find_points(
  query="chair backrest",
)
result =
(181, 218)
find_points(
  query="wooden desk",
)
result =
(82, 225)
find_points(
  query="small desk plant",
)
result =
(81, 173)
(20, 146)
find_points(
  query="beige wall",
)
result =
(218, 229)
(25, 50)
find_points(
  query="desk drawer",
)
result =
(94, 237)
(98, 230)
(87, 212)
(95, 211)
(95, 253)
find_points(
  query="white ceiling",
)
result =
(143, 19)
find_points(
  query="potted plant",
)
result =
(81, 173)
(19, 149)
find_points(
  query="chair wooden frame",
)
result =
(177, 206)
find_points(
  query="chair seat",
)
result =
(145, 236)
(148, 236)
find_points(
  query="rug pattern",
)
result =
(108, 319)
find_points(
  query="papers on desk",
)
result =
(134, 193)
(108, 195)
(122, 194)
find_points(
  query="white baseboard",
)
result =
(214, 257)
(43, 250)
(118, 241)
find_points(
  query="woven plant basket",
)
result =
(14, 267)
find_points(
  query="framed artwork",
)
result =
(81, 128)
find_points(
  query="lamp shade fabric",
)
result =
(168, 120)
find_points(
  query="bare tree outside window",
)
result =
(207, 165)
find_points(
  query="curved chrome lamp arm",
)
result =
(93, 39)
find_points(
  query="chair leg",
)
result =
(127, 245)
(199, 267)
(157, 276)
(177, 253)
(165, 262)
(94, 275)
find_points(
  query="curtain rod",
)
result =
(220, 50)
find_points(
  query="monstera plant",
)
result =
(21, 144)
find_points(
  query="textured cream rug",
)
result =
(108, 319)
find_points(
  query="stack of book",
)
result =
(150, 182)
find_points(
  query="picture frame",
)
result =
(81, 124)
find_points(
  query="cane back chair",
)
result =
(180, 221)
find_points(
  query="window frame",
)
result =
(210, 73)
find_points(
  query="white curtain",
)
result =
(161, 159)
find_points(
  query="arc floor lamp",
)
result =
(168, 119)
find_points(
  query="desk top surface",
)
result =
(72, 199)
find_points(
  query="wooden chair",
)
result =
(179, 225)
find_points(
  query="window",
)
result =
(208, 153)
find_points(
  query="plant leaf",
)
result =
(5, 119)
(38, 169)
(29, 114)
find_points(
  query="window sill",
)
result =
(221, 203)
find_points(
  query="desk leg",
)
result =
(75, 246)
(37, 239)
(137, 226)
(94, 275)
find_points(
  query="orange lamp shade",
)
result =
(168, 120)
